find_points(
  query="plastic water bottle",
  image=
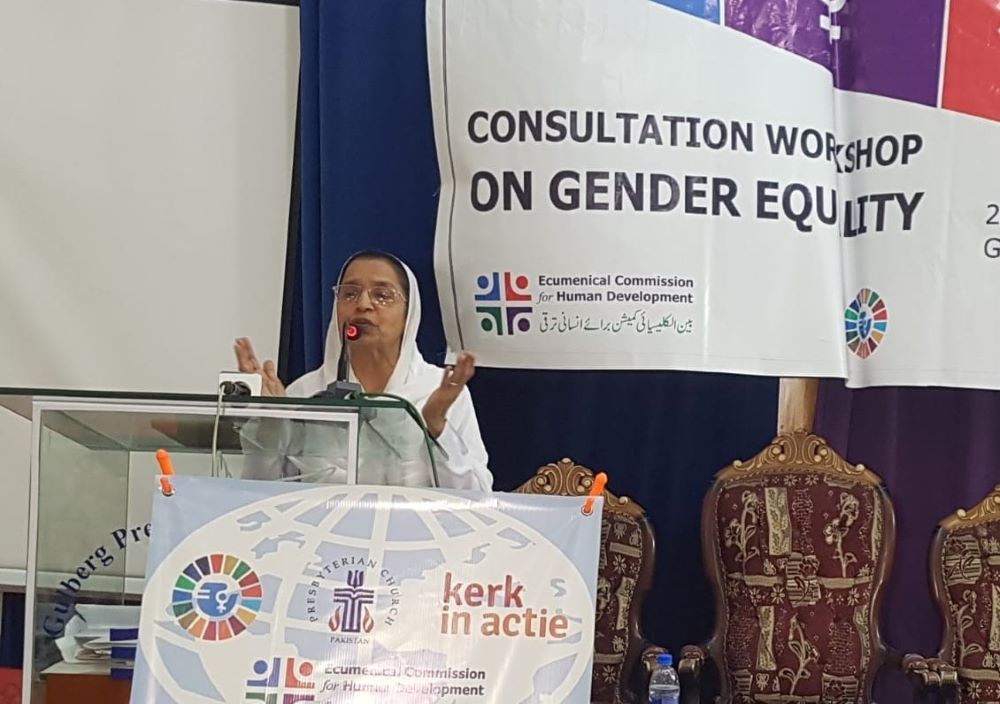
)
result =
(664, 686)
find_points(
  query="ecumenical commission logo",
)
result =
(866, 320)
(354, 596)
(216, 597)
(282, 681)
(503, 303)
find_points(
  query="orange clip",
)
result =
(600, 481)
(167, 468)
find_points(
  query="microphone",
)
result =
(342, 388)
(348, 333)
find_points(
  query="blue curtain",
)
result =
(12, 630)
(369, 179)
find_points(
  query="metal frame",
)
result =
(29, 589)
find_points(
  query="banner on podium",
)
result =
(261, 591)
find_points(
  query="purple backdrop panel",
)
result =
(793, 25)
(867, 44)
(889, 47)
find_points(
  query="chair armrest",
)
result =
(931, 676)
(948, 677)
(919, 672)
(649, 655)
(948, 673)
(689, 670)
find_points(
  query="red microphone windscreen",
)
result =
(352, 333)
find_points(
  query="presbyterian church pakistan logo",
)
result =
(503, 305)
(352, 614)
(354, 596)
(866, 321)
(216, 597)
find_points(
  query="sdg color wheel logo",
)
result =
(866, 320)
(216, 597)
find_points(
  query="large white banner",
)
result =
(682, 185)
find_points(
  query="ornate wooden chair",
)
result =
(797, 543)
(965, 572)
(622, 657)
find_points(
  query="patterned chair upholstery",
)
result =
(797, 543)
(622, 657)
(965, 571)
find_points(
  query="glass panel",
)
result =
(392, 449)
(80, 561)
(19, 399)
(293, 449)
(177, 427)
(395, 451)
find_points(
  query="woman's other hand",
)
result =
(455, 378)
(247, 362)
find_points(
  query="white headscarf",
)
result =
(413, 378)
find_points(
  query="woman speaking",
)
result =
(378, 295)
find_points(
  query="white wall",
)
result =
(145, 161)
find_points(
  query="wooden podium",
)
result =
(72, 689)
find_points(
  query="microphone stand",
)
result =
(342, 388)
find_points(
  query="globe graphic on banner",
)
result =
(313, 595)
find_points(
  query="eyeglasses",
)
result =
(382, 296)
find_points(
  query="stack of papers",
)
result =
(99, 639)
